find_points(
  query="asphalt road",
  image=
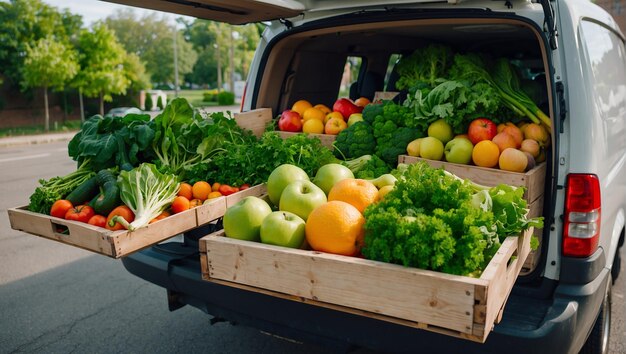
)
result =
(59, 299)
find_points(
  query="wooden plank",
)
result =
(533, 180)
(410, 294)
(114, 244)
(210, 210)
(535, 209)
(255, 120)
(380, 96)
(326, 139)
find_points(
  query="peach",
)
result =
(515, 132)
(513, 160)
(504, 141)
(485, 154)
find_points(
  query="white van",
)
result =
(576, 52)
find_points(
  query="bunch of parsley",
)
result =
(434, 220)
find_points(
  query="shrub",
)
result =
(160, 102)
(210, 96)
(148, 103)
(225, 98)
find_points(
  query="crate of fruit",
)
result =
(454, 305)
(306, 259)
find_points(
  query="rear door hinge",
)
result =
(560, 94)
(288, 24)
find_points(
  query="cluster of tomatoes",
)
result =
(190, 196)
(64, 209)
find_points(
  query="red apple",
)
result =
(481, 129)
(290, 121)
(346, 108)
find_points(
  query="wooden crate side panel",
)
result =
(537, 182)
(132, 241)
(501, 274)
(210, 210)
(255, 120)
(326, 139)
(410, 294)
(81, 235)
(535, 209)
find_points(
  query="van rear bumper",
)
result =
(542, 326)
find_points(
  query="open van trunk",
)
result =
(308, 62)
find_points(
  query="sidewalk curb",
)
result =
(36, 139)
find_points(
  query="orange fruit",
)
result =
(185, 190)
(301, 106)
(214, 194)
(332, 115)
(194, 203)
(201, 190)
(486, 154)
(357, 192)
(322, 107)
(180, 204)
(314, 126)
(313, 113)
(335, 227)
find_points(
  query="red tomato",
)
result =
(98, 220)
(228, 190)
(60, 208)
(80, 213)
(244, 186)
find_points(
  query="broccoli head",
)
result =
(389, 149)
(354, 141)
(371, 111)
(373, 168)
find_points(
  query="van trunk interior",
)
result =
(309, 64)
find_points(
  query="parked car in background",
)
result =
(122, 111)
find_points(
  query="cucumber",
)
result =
(109, 198)
(84, 192)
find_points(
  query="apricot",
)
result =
(515, 132)
(504, 140)
(531, 146)
(537, 133)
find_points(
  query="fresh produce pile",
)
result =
(134, 170)
(319, 119)
(418, 216)
(455, 101)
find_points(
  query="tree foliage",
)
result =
(22, 24)
(102, 60)
(48, 64)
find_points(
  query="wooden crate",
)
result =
(114, 244)
(117, 244)
(458, 306)
(255, 120)
(533, 180)
(380, 96)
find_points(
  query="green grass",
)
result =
(70, 125)
(194, 97)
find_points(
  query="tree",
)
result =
(102, 60)
(48, 64)
(22, 24)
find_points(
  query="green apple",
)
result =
(329, 174)
(431, 148)
(301, 197)
(355, 117)
(281, 177)
(282, 228)
(243, 220)
(459, 150)
(441, 130)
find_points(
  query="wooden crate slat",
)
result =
(210, 210)
(255, 120)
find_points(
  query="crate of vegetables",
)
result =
(437, 280)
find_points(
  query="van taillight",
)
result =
(582, 215)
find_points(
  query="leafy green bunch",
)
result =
(435, 220)
(113, 141)
(425, 65)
